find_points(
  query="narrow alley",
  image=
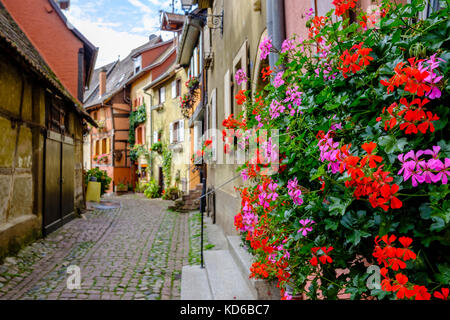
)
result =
(135, 251)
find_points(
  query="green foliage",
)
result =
(101, 176)
(136, 117)
(167, 165)
(151, 189)
(348, 223)
(157, 147)
(171, 193)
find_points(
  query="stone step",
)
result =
(225, 278)
(261, 289)
(194, 284)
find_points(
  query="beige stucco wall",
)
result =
(241, 24)
(161, 120)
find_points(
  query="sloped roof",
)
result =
(93, 85)
(116, 79)
(168, 19)
(90, 51)
(121, 73)
(16, 39)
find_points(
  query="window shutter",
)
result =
(162, 94)
(174, 89)
(171, 133)
(181, 131)
(214, 123)
(108, 145)
(227, 94)
(155, 136)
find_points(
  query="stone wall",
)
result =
(20, 157)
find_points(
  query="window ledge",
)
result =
(176, 147)
(159, 107)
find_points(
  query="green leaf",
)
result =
(338, 206)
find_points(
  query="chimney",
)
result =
(102, 82)
(64, 4)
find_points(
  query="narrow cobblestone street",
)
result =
(133, 252)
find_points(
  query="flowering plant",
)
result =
(192, 83)
(101, 158)
(364, 159)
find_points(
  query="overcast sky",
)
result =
(118, 26)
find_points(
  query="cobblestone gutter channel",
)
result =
(134, 252)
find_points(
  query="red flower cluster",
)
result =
(343, 5)
(240, 97)
(266, 72)
(316, 25)
(374, 184)
(394, 258)
(353, 62)
(390, 256)
(410, 76)
(413, 117)
(323, 257)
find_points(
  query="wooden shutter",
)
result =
(155, 136)
(108, 145)
(214, 123)
(171, 133)
(181, 130)
(174, 89)
(227, 94)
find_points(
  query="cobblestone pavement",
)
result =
(133, 252)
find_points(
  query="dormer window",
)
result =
(137, 64)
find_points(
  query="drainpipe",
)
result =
(275, 27)
(151, 126)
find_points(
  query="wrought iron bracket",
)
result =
(216, 21)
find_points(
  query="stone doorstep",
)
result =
(224, 277)
(262, 289)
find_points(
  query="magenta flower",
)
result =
(306, 226)
(294, 191)
(287, 45)
(421, 170)
(275, 109)
(241, 77)
(265, 47)
(278, 80)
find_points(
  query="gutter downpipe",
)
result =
(276, 27)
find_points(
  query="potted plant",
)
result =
(121, 188)
(157, 147)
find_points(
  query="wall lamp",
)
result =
(215, 21)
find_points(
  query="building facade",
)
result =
(167, 125)
(67, 52)
(41, 168)
(117, 102)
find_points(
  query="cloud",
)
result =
(118, 27)
(140, 5)
(112, 43)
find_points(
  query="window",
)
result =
(139, 135)
(174, 132)
(177, 131)
(178, 85)
(176, 88)
(104, 146)
(162, 95)
(137, 64)
(97, 147)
